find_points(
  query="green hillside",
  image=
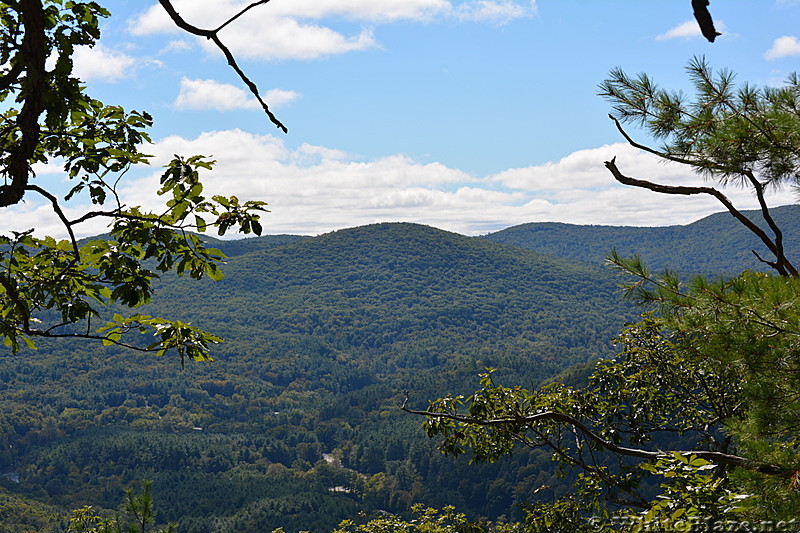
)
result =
(715, 244)
(408, 296)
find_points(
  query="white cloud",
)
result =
(280, 97)
(685, 30)
(494, 12)
(210, 94)
(35, 212)
(301, 29)
(315, 189)
(101, 63)
(212, 13)
(177, 46)
(368, 10)
(785, 46)
(688, 30)
(289, 39)
(584, 169)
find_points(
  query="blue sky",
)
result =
(468, 115)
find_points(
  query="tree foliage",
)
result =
(57, 288)
(319, 353)
(139, 516)
(426, 520)
(711, 379)
(741, 135)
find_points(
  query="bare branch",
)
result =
(240, 13)
(61, 216)
(704, 20)
(653, 151)
(773, 264)
(780, 255)
(782, 268)
(212, 36)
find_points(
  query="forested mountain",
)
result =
(297, 422)
(406, 296)
(713, 245)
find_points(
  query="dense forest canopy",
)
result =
(311, 402)
(321, 349)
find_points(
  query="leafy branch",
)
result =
(516, 425)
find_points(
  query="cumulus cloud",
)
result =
(688, 30)
(210, 94)
(290, 39)
(101, 63)
(35, 212)
(785, 46)
(685, 30)
(584, 169)
(301, 29)
(212, 13)
(280, 97)
(315, 189)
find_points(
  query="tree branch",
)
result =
(49, 335)
(704, 20)
(776, 230)
(116, 214)
(212, 36)
(33, 54)
(61, 216)
(683, 190)
(240, 13)
(11, 76)
(655, 152)
(521, 421)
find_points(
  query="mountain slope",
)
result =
(382, 286)
(715, 244)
